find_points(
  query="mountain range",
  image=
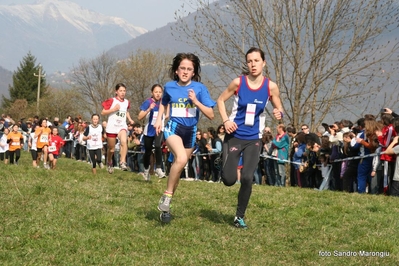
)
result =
(161, 39)
(5, 80)
(58, 33)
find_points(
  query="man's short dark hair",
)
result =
(312, 137)
(291, 129)
(360, 122)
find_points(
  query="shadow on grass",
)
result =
(154, 215)
(140, 179)
(151, 215)
(216, 217)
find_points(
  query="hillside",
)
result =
(5, 80)
(165, 39)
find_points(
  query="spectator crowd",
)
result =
(340, 156)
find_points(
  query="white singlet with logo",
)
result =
(95, 142)
(117, 120)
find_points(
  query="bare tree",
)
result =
(327, 57)
(62, 102)
(142, 70)
(20, 109)
(95, 80)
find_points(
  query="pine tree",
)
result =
(25, 82)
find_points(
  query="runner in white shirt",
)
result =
(117, 109)
(4, 146)
(93, 137)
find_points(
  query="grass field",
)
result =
(68, 216)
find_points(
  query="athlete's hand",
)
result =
(158, 126)
(230, 126)
(192, 96)
(277, 114)
(152, 105)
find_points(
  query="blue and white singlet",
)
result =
(249, 109)
(151, 117)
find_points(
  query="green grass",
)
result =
(70, 217)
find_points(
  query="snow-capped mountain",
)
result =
(58, 33)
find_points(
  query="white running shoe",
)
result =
(124, 167)
(146, 174)
(164, 203)
(110, 169)
(159, 173)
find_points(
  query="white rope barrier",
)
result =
(337, 160)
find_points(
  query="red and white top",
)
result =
(56, 142)
(116, 120)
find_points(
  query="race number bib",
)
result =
(44, 138)
(154, 117)
(15, 143)
(52, 148)
(121, 114)
(184, 112)
(250, 114)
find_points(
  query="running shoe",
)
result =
(110, 169)
(165, 217)
(164, 203)
(146, 174)
(240, 223)
(123, 166)
(159, 173)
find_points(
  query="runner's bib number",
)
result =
(154, 117)
(250, 114)
(44, 138)
(52, 148)
(121, 114)
(184, 112)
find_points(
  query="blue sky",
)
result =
(149, 14)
